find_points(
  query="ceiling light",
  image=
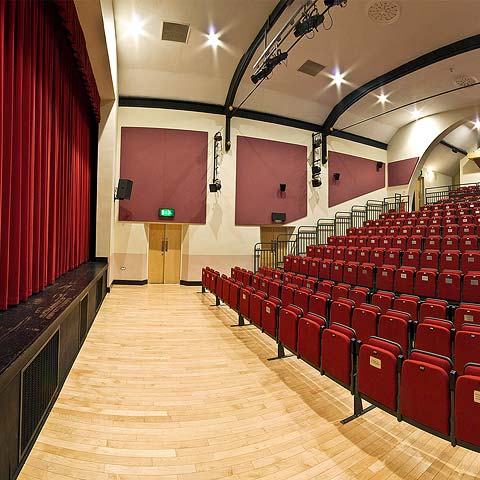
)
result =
(135, 26)
(338, 78)
(382, 98)
(415, 113)
(213, 39)
(476, 124)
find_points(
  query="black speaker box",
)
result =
(124, 189)
(278, 217)
(283, 187)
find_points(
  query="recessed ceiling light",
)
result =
(135, 26)
(338, 78)
(415, 113)
(382, 98)
(476, 124)
(213, 38)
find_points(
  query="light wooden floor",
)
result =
(165, 389)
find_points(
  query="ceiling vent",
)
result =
(311, 68)
(384, 11)
(175, 32)
(463, 80)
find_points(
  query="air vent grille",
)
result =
(175, 32)
(311, 68)
(39, 384)
(463, 80)
(384, 11)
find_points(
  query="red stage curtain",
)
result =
(46, 125)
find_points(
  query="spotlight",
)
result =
(316, 182)
(268, 66)
(316, 170)
(308, 25)
(333, 3)
(218, 137)
(215, 186)
(476, 124)
(317, 143)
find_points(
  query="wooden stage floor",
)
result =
(164, 388)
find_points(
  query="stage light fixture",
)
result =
(335, 3)
(308, 24)
(216, 186)
(268, 66)
(316, 182)
(316, 170)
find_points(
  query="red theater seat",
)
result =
(470, 262)
(386, 277)
(301, 298)
(364, 321)
(310, 328)
(426, 283)
(288, 292)
(340, 290)
(449, 285)
(256, 300)
(313, 267)
(377, 256)
(341, 311)
(407, 304)
(392, 257)
(338, 344)
(234, 299)
(383, 300)
(411, 258)
(425, 391)
(466, 313)
(350, 273)
(396, 326)
(244, 302)
(324, 269)
(467, 347)
(336, 273)
(319, 304)
(471, 290)
(325, 286)
(450, 260)
(378, 363)
(366, 275)
(288, 326)
(467, 406)
(275, 288)
(435, 336)
(270, 309)
(359, 295)
(433, 308)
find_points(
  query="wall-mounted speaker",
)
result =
(279, 217)
(379, 165)
(336, 177)
(124, 189)
(283, 187)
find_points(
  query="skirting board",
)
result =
(129, 282)
(188, 283)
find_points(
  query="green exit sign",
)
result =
(166, 212)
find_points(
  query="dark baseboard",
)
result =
(187, 283)
(101, 259)
(129, 282)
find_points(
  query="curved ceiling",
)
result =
(356, 45)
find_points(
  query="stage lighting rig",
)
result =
(267, 68)
(316, 161)
(335, 3)
(216, 184)
(308, 24)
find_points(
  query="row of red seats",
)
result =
(374, 367)
(425, 221)
(433, 259)
(448, 285)
(407, 230)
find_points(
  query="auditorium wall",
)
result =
(220, 243)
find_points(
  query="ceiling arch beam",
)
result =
(442, 53)
(277, 12)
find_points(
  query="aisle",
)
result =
(165, 389)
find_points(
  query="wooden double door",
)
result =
(164, 253)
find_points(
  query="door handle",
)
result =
(166, 245)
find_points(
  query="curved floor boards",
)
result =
(164, 388)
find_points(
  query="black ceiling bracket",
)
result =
(228, 133)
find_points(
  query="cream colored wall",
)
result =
(220, 243)
(469, 171)
(435, 179)
(107, 154)
(419, 138)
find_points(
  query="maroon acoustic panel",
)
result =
(400, 173)
(262, 165)
(169, 170)
(358, 176)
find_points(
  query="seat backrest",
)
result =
(319, 304)
(395, 327)
(408, 304)
(466, 313)
(383, 300)
(340, 290)
(341, 311)
(359, 295)
(432, 336)
(364, 321)
(432, 308)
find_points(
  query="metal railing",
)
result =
(451, 192)
(265, 255)
(271, 254)
(306, 235)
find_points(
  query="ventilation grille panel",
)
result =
(463, 80)
(39, 384)
(175, 32)
(384, 11)
(311, 68)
